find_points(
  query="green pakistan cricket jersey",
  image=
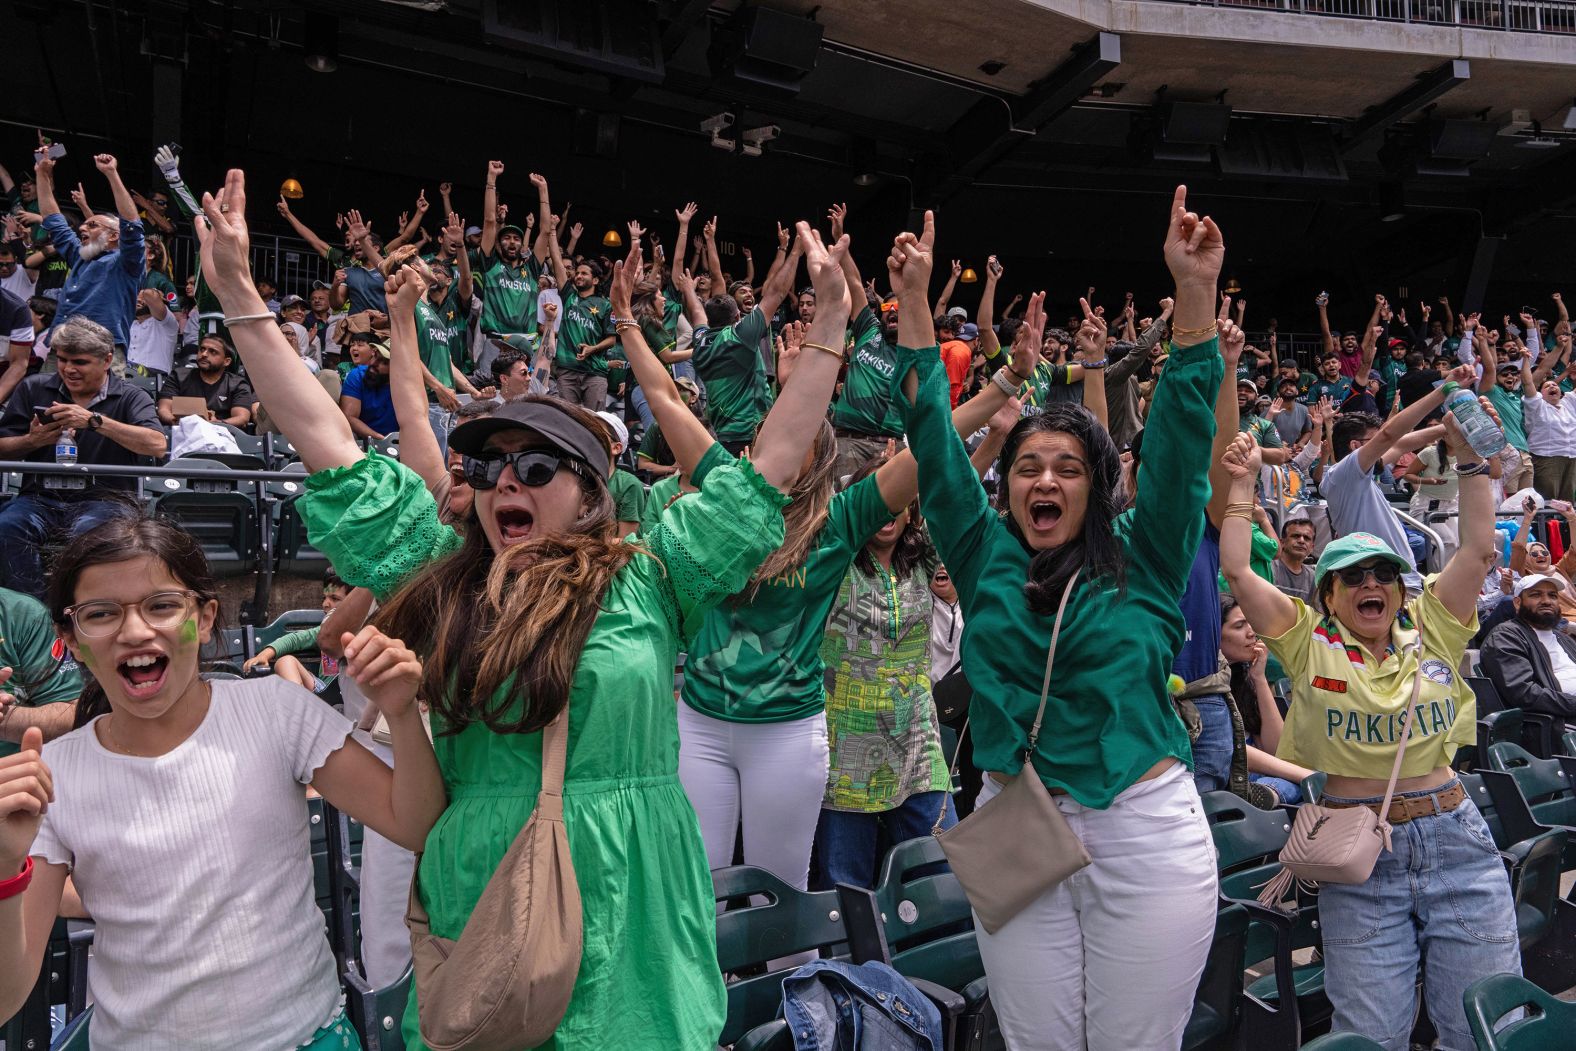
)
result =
(509, 294)
(729, 363)
(587, 320)
(759, 660)
(865, 404)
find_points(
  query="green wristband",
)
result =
(1449, 387)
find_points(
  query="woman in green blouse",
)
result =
(539, 605)
(1110, 957)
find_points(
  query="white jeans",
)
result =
(1110, 959)
(771, 774)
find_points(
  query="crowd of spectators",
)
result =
(1209, 509)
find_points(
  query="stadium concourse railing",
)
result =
(199, 479)
(1517, 16)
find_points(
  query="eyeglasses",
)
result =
(100, 619)
(533, 467)
(1383, 573)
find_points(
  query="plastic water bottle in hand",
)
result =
(1482, 433)
(66, 448)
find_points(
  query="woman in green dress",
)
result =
(540, 604)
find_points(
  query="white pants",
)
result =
(1110, 959)
(773, 775)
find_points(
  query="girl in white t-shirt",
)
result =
(179, 810)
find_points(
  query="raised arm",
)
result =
(1408, 418)
(1490, 370)
(1227, 420)
(555, 258)
(694, 310)
(795, 419)
(462, 261)
(320, 246)
(780, 282)
(412, 224)
(1089, 346)
(946, 290)
(1322, 301)
(1270, 611)
(490, 208)
(300, 406)
(44, 185)
(985, 317)
(749, 267)
(683, 215)
(1462, 578)
(719, 284)
(361, 233)
(125, 207)
(418, 446)
(546, 228)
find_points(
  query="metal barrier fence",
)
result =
(289, 262)
(1521, 16)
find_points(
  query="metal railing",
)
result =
(289, 262)
(1521, 16)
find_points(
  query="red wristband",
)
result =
(17, 884)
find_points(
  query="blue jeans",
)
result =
(1212, 751)
(440, 420)
(846, 842)
(1440, 895)
(637, 398)
(1286, 791)
(32, 520)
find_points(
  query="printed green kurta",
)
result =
(649, 976)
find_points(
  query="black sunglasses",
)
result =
(1383, 573)
(533, 467)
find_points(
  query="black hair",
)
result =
(1416, 360)
(1007, 330)
(721, 311)
(1242, 691)
(332, 579)
(506, 361)
(1299, 522)
(1096, 549)
(1349, 427)
(913, 546)
(44, 307)
(133, 534)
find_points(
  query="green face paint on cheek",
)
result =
(189, 631)
(87, 654)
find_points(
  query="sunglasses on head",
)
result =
(533, 467)
(1382, 572)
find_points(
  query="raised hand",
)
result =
(709, 231)
(1464, 375)
(1232, 342)
(494, 169)
(355, 227)
(636, 232)
(455, 227)
(1322, 299)
(683, 280)
(404, 288)
(225, 240)
(283, 205)
(826, 269)
(911, 261)
(1471, 322)
(421, 201)
(835, 215)
(621, 289)
(1243, 457)
(957, 268)
(539, 181)
(783, 237)
(575, 230)
(105, 163)
(1089, 340)
(1194, 248)
(994, 268)
(445, 189)
(387, 672)
(79, 198)
(686, 213)
(1029, 338)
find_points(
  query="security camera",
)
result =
(714, 125)
(758, 136)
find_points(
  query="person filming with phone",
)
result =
(79, 415)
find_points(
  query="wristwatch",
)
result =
(95, 421)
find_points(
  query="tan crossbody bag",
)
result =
(506, 983)
(1329, 845)
(1009, 852)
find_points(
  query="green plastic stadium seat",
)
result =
(1548, 1025)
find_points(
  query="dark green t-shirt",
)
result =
(587, 320)
(27, 639)
(509, 294)
(729, 363)
(865, 404)
(654, 447)
(759, 661)
(629, 496)
(435, 336)
(156, 279)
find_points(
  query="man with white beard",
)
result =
(105, 254)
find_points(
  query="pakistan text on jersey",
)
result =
(866, 357)
(1366, 728)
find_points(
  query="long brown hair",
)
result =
(516, 619)
(804, 517)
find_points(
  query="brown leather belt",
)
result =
(1403, 810)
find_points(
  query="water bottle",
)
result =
(66, 448)
(1482, 433)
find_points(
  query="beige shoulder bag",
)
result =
(506, 983)
(1017, 847)
(1341, 845)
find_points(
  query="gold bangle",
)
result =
(622, 325)
(818, 346)
(1237, 514)
(1242, 506)
(1211, 329)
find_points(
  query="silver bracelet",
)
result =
(240, 318)
(1008, 387)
